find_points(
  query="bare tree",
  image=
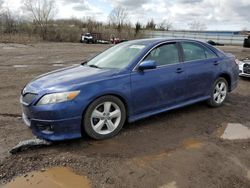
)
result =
(91, 24)
(9, 22)
(1, 8)
(1, 4)
(138, 27)
(42, 12)
(118, 17)
(197, 26)
(151, 25)
(1, 13)
(244, 31)
(165, 25)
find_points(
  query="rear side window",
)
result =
(164, 55)
(193, 51)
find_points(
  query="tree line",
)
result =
(41, 22)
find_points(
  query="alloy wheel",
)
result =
(220, 92)
(105, 118)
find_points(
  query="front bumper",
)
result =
(244, 75)
(54, 122)
(242, 72)
(54, 130)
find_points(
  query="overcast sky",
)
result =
(216, 14)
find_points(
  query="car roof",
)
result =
(150, 42)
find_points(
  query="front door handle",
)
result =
(179, 70)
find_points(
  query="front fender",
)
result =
(119, 87)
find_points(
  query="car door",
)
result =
(200, 64)
(160, 87)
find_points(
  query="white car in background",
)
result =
(244, 68)
(88, 38)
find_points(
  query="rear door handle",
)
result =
(216, 62)
(179, 70)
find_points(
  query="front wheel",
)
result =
(104, 117)
(218, 93)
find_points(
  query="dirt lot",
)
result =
(181, 148)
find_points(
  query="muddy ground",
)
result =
(181, 148)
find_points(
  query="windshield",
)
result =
(117, 57)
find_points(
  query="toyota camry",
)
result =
(125, 83)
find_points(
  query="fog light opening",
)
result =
(46, 129)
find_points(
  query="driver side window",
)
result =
(164, 55)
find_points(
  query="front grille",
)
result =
(246, 68)
(28, 97)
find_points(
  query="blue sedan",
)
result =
(129, 81)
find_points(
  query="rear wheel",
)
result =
(218, 93)
(104, 117)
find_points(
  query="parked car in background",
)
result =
(93, 38)
(246, 43)
(211, 42)
(87, 38)
(129, 81)
(117, 40)
(244, 67)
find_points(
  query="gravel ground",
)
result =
(181, 148)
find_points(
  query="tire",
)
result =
(100, 123)
(218, 93)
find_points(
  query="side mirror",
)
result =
(149, 64)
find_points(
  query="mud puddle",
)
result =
(58, 65)
(236, 131)
(248, 174)
(188, 144)
(58, 177)
(169, 185)
(192, 144)
(20, 66)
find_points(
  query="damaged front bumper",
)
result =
(54, 130)
(53, 122)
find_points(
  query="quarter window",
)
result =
(210, 54)
(164, 55)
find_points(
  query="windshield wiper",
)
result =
(94, 66)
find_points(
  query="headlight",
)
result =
(239, 62)
(58, 97)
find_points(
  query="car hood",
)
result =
(67, 79)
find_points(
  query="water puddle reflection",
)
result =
(57, 177)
